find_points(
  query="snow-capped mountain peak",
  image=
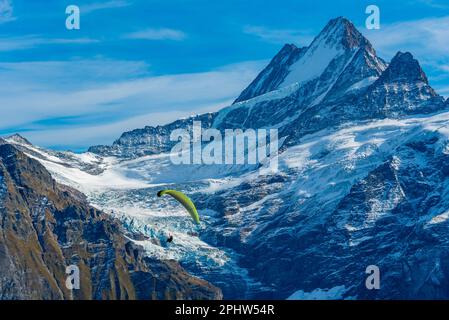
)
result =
(340, 32)
(18, 139)
(337, 47)
(404, 67)
(274, 73)
(338, 38)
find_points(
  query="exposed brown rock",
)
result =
(45, 227)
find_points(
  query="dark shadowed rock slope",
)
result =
(274, 74)
(45, 227)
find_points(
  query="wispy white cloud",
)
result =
(428, 36)
(433, 4)
(279, 36)
(75, 74)
(48, 102)
(443, 90)
(95, 6)
(444, 67)
(78, 137)
(32, 41)
(6, 11)
(157, 34)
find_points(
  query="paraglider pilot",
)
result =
(170, 238)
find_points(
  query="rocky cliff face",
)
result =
(320, 223)
(274, 74)
(45, 227)
(149, 140)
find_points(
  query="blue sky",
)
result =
(141, 62)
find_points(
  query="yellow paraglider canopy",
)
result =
(184, 200)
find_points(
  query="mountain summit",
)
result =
(404, 67)
(340, 32)
(17, 138)
(335, 45)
